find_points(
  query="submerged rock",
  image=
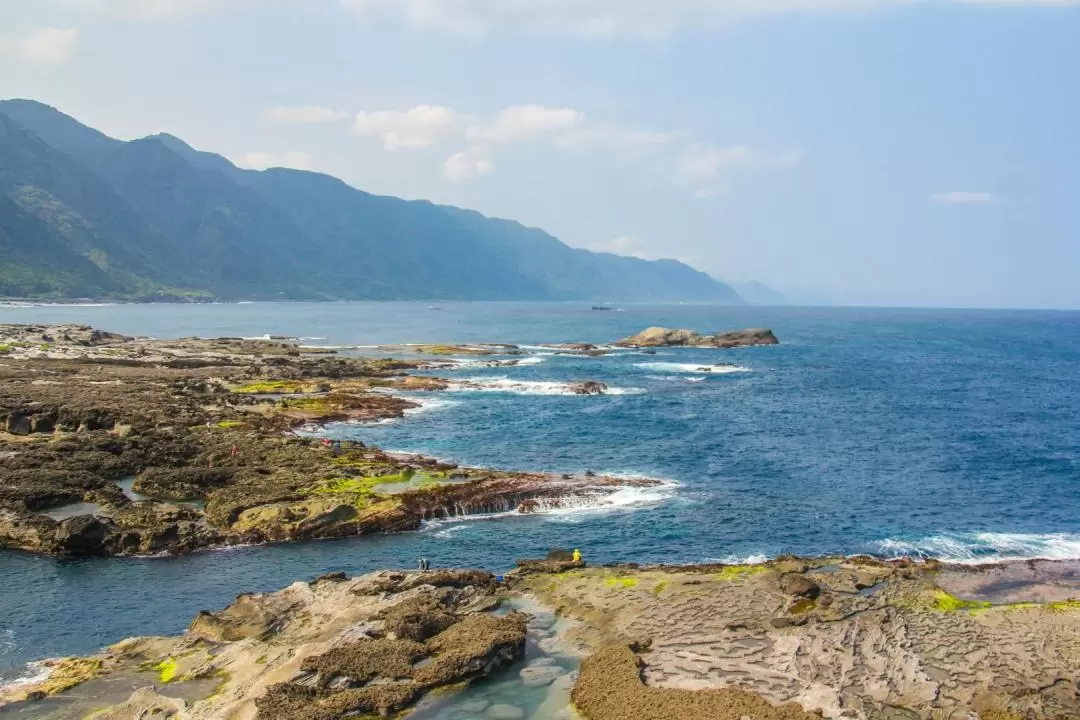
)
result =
(666, 337)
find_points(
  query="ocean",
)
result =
(946, 433)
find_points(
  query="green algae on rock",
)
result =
(324, 649)
(215, 462)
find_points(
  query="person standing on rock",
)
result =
(577, 555)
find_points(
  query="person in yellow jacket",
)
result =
(577, 555)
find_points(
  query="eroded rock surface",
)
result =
(328, 649)
(667, 337)
(878, 641)
(201, 430)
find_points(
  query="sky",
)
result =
(868, 152)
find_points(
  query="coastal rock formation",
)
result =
(322, 650)
(846, 637)
(174, 446)
(666, 337)
(658, 644)
(610, 688)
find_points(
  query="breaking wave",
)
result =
(754, 559)
(461, 363)
(697, 368)
(427, 404)
(528, 387)
(985, 547)
(30, 674)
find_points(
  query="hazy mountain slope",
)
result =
(757, 293)
(588, 275)
(153, 215)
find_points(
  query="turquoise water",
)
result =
(921, 432)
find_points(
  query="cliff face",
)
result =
(85, 215)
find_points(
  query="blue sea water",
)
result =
(921, 432)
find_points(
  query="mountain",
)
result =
(86, 215)
(757, 293)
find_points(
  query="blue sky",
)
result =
(887, 152)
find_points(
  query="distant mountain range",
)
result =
(757, 293)
(83, 215)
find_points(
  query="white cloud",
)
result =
(623, 142)
(959, 197)
(467, 165)
(585, 17)
(644, 18)
(304, 114)
(635, 247)
(702, 167)
(520, 122)
(148, 9)
(47, 46)
(260, 160)
(419, 127)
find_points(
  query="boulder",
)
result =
(799, 586)
(18, 424)
(81, 535)
(589, 387)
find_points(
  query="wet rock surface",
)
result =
(205, 430)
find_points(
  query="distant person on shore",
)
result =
(577, 555)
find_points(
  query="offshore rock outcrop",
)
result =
(666, 337)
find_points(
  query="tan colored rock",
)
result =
(666, 337)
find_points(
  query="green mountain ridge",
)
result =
(84, 215)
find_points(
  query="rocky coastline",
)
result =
(789, 639)
(112, 445)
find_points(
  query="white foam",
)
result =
(463, 363)
(330, 347)
(33, 673)
(584, 501)
(527, 387)
(427, 404)
(985, 547)
(447, 532)
(696, 368)
(752, 559)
